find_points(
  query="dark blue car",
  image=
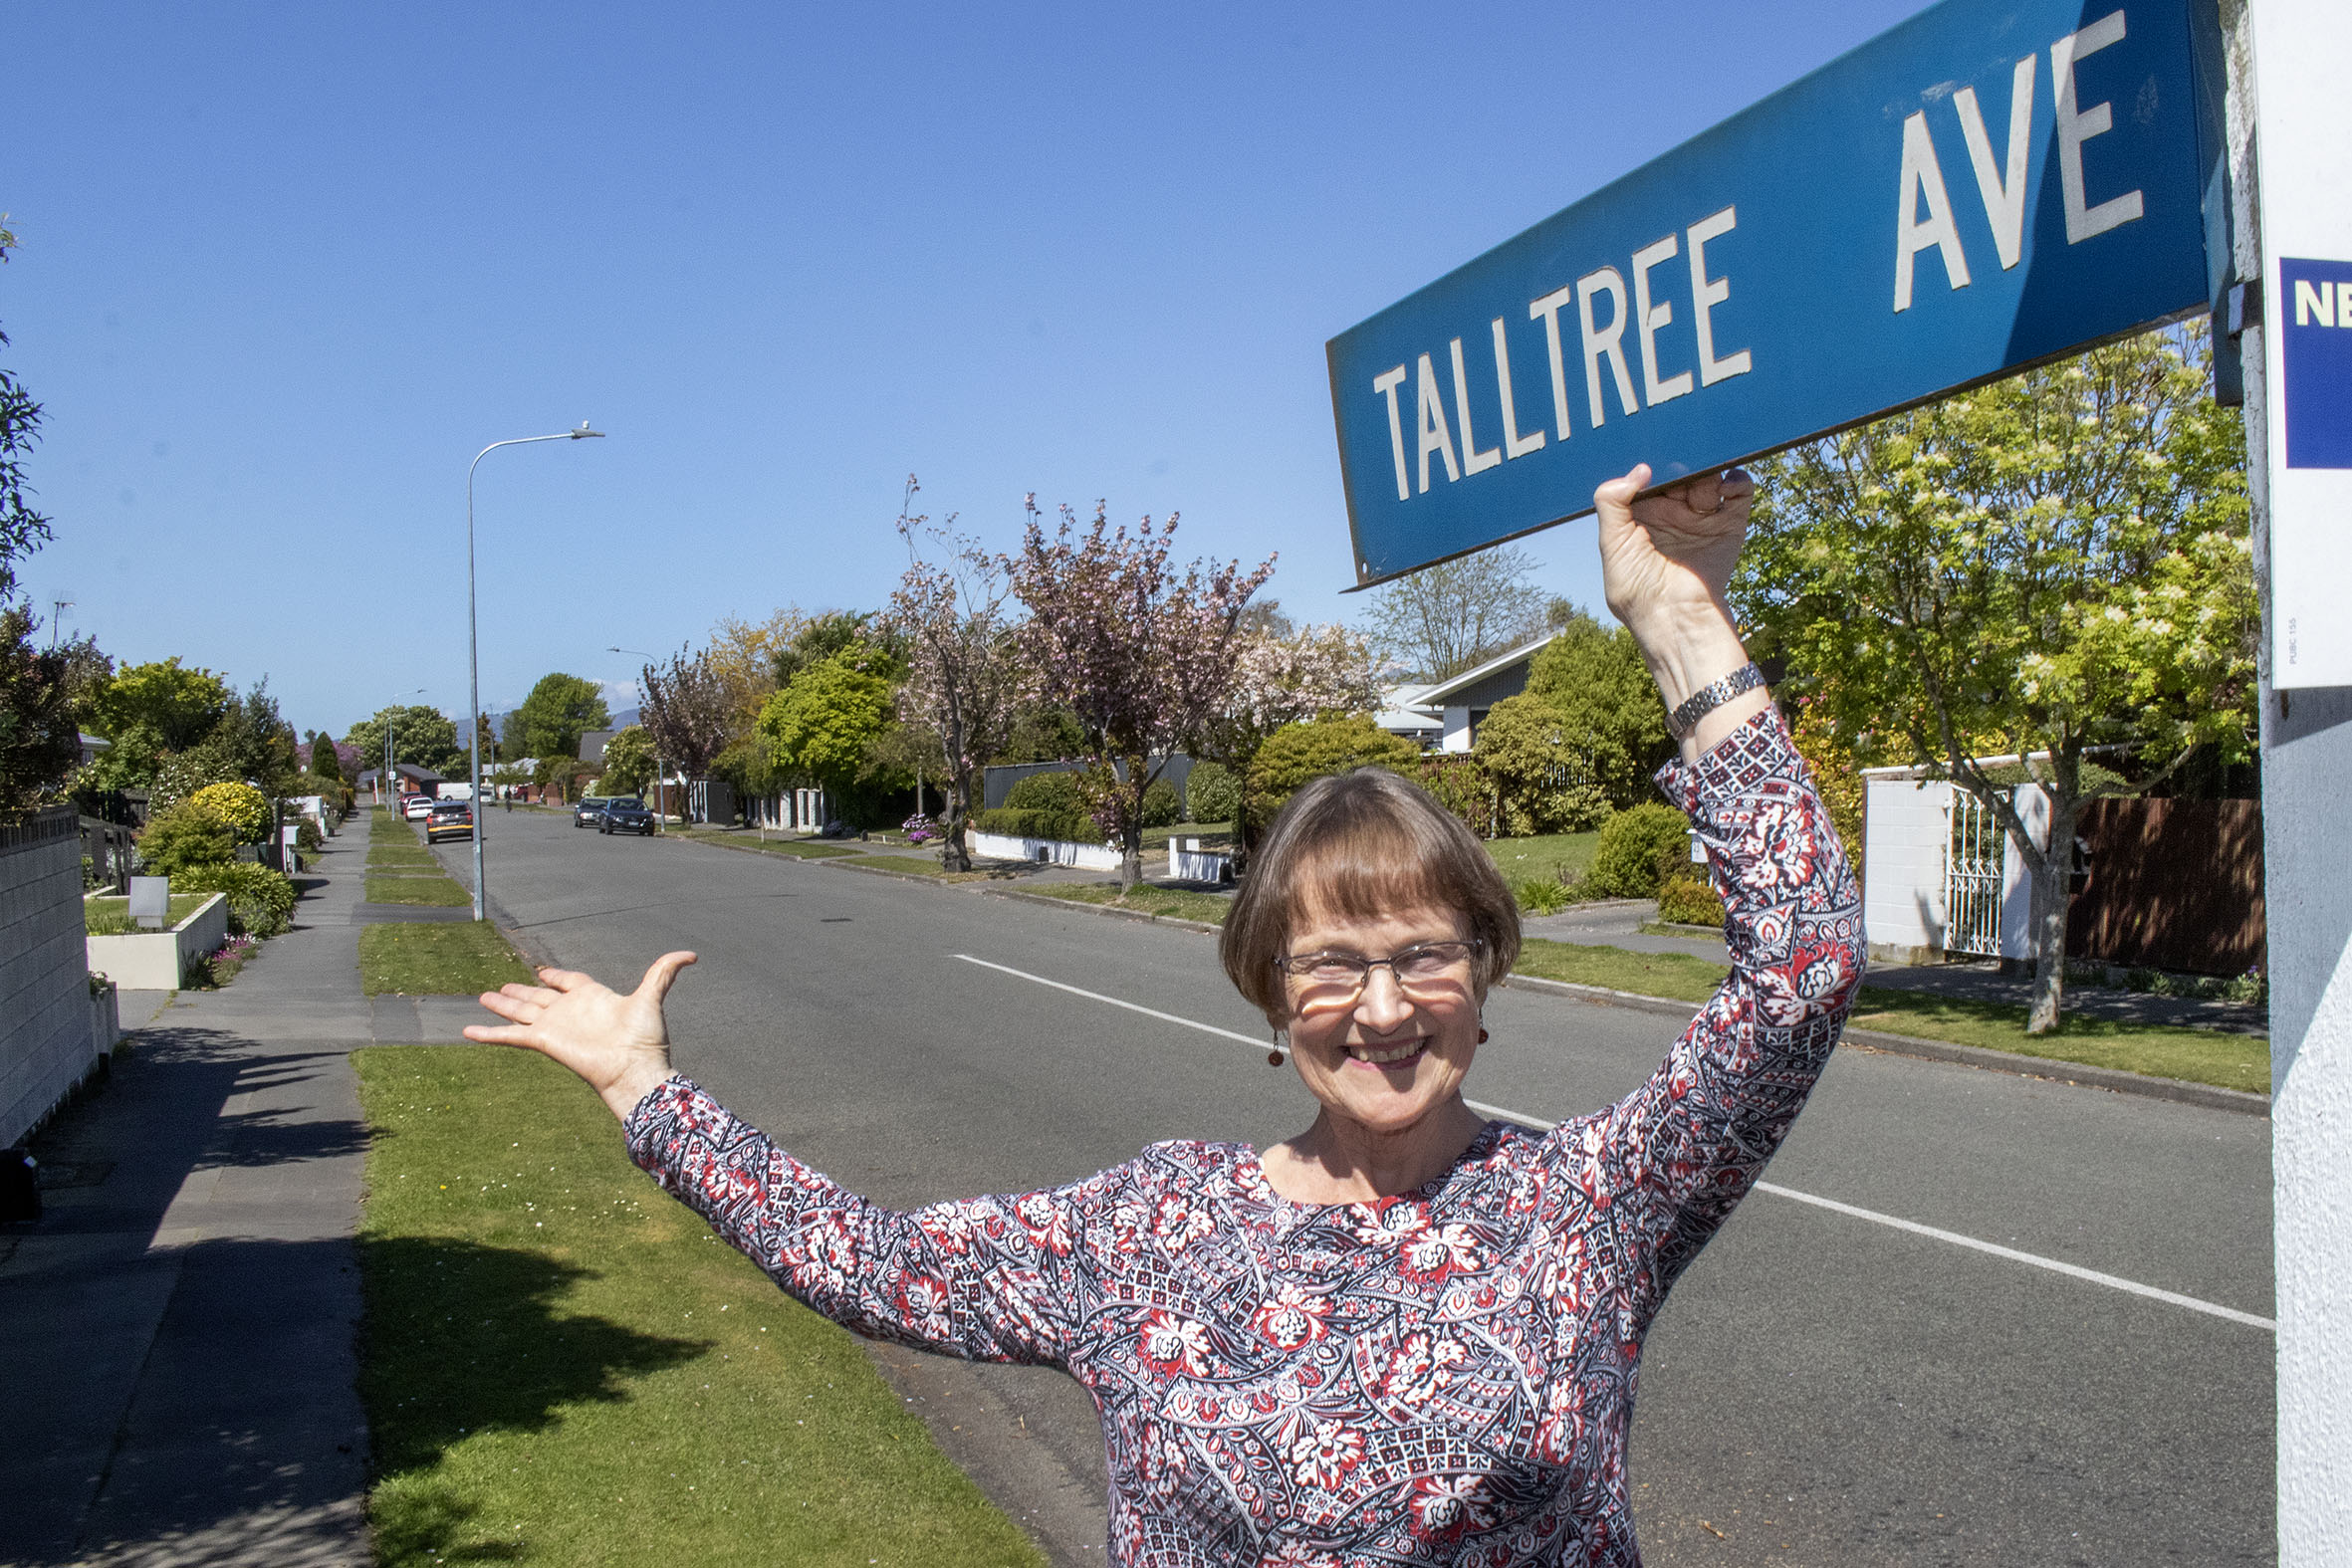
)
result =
(625, 814)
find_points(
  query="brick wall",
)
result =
(46, 1041)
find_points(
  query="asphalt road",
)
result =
(1821, 1388)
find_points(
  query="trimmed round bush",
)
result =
(245, 809)
(1298, 752)
(261, 902)
(184, 837)
(1056, 808)
(1639, 850)
(1688, 901)
(1159, 804)
(1212, 794)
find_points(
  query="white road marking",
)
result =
(1851, 1210)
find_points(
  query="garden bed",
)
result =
(161, 959)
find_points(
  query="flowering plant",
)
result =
(919, 829)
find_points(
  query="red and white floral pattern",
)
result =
(1442, 1376)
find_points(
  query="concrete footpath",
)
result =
(177, 1331)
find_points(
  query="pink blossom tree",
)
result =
(687, 714)
(965, 683)
(1143, 655)
(1281, 678)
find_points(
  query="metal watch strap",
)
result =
(1712, 696)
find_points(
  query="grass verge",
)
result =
(456, 959)
(906, 865)
(799, 849)
(1179, 902)
(2227, 1061)
(396, 888)
(562, 1366)
(1545, 856)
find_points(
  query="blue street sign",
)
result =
(1993, 183)
(2315, 331)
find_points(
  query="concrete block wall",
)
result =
(1906, 825)
(46, 1039)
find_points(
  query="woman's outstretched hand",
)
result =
(619, 1044)
(1665, 564)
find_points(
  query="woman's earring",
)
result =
(1273, 1058)
(1482, 1032)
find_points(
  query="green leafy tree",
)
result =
(22, 530)
(1298, 752)
(1541, 766)
(150, 710)
(628, 761)
(551, 721)
(245, 809)
(2043, 568)
(1595, 677)
(422, 736)
(827, 717)
(39, 740)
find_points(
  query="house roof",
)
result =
(1435, 696)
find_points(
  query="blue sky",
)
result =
(286, 268)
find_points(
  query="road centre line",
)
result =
(1851, 1210)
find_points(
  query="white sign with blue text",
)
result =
(2306, 225)
(1983, 187)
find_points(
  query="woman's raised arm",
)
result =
(620, 1046)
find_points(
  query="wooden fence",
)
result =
(2173, 884)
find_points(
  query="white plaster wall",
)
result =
(1196, 865)
(1457, 737)
(1904, 835)
(2016, 882)
(45, 1016)
(1054, 851)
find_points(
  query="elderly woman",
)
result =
(1407, 1335)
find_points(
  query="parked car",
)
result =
(417, 806)
(448, 819)
(590, 809)
(626, 814)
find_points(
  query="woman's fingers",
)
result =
(503, 1035)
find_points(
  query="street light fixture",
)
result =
(473, 646)
(657, 757)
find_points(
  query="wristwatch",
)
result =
(1682, 720)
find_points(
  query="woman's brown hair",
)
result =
(1360, 846)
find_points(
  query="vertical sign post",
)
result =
(2293, 164)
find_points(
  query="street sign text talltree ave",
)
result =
(1985, 186)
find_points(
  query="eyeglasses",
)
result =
(1424, 967)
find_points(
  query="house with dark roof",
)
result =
(1443, 716)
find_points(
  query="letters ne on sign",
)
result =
(1643, 297)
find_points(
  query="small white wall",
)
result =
(1187, 862)
(1054, 851)
(2016, 882)
(156, 959)
(1457, 737)
(1904, 834)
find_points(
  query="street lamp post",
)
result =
(473, 648)
(383, 780)
(657, 757)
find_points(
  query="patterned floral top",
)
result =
(1442, 1376)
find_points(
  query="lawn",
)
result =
(396, 887)
(456, 959)
(112, 916)
(1545, 856)
(1213, 836)
(562, 1366)
(905, 865)
(2228, 1061)
(799, 849)
(1179, 902)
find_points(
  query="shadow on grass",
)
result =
(461, 1339)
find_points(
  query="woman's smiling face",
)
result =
(1389, 1057)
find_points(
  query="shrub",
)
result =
(1542, 895)
(184, 837)
(1058, 792)
(261, 902)
(1160, 804)
(245, 809)
(1639, 850)
(1212, 794)
(308, 838)
(1299, 753)
(1019, 823)
(1541, 764)
(1688, 901)
(1054, 806)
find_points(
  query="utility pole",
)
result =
(2292, 176)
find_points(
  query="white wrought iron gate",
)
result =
(1971, 879)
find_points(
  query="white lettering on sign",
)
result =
(2330, 305)
(1600, 343)
(1546, 311)
(1472, 460)
(1708, 293)
(1430, 421)
(1514, 444)
(1385, 384)
(2003, 192)
(1602, 338)
(1649, 317)
(2077, 125)
(1923, 177)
